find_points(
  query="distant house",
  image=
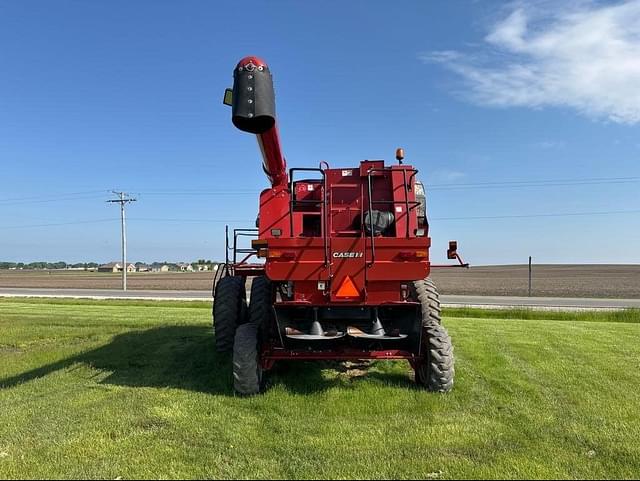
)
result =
(143, 268)
(183, 267)
(158, 267)
(201, 267)
(115, 267)
(110, 267)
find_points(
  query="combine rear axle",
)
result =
(271, 355)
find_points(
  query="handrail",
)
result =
(226, 245)
(229, 268)
(406, 197)
(410, 205)
(242, 233)
(325, 214)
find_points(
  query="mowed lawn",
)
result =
(92, 389)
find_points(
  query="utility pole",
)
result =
(529, 276)
(123, 199)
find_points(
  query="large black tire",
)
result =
(436, 371)
(427, 295)
(247, 372)
(248, 377)
(261, 303)
(229, 311)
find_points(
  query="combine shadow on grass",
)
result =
(181, 357)
(174, 356)
(317, 376)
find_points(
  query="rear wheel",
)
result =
(436, 371)
(247, 371)
(229, 311)
(248, 375)
(261, 303)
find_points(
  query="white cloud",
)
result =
(582, 55)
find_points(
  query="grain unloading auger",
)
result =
(346, 261)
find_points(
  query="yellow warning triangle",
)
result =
(347, 289)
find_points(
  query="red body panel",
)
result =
(314, 241)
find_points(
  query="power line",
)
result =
(526, 216)
(249, 221)
(542, 182)
(49, 201)
(87, 195)
(508, 216)
(206, 221)
(137, 219)
(521, 185)
(52, 197)
(198, 192)
(55, 224)
(449, 186)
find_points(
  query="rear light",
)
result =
(408, 255)
(284, 255)
(258, 243)
(404, 291)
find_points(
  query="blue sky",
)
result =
(127, 95)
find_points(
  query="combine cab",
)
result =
(346, 264)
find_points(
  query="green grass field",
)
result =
(92, 389)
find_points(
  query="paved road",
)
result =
(105, 294)
(539, 302)
(447, 300)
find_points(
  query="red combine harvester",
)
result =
(346, 261)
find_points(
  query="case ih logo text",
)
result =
(341, 255)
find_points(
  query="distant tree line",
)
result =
(78, 265)
(47, 265)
